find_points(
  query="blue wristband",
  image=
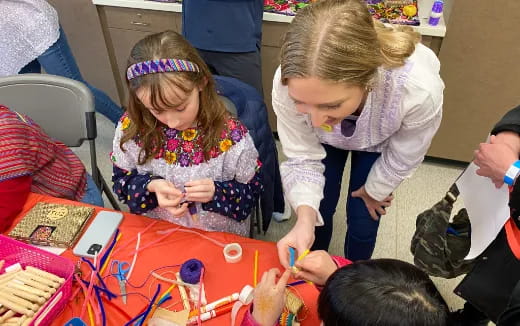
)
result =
(512, 173)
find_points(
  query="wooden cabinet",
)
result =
(123, 27)
(272, 37)
(479, 65)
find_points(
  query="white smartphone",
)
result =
(98, 233)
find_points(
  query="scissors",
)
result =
(122, 269)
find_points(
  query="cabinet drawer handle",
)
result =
(139, 23)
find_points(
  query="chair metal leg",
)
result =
(104, 188)
(258, 218)
(252, 225)
(110, 195)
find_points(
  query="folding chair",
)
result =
(63, 107)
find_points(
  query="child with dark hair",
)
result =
(379, 292)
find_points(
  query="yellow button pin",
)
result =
(326, 127)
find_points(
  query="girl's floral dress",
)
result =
(233, 166)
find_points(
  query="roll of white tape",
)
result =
(233, 253)
(246, 295)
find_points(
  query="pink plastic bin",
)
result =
(13, 252)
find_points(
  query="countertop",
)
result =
(424, 28)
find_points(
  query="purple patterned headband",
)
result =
(160, 65)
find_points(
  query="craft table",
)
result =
(220, 278)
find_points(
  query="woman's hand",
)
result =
(168, 197)
(201, 191)
(316, 267)
(374, 206)
(494, 159)
(269, 298)
(301, 236)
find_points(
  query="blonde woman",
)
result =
(348, 84)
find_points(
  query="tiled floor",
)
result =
(416, 194)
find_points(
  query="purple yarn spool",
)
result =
(190, 271)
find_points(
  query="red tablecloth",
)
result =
(220, 278)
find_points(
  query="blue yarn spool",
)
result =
(190, 271)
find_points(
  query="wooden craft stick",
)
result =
(34, 284)
(23, 320)
(10, 323)
(7, 315)
(25, 295)
(8, 276)
(13, 320)
(182, 291)
(2, 262)
(19, 301)
(39, 272)
(28, 289)
(43, 280)
(16, 307)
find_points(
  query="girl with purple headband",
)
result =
(177, 153)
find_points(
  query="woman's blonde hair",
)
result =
(212, 111)
(338, 40)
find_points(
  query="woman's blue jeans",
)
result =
(92, 195)
(59, 60)
(360, 238)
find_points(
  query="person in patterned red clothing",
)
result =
(30, 161)
(177, 153)
(378, 292)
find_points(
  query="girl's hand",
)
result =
(167, 195)
(374, 206)
(269, 298)
(200, 190)
(301, 236)
(316, 267)
(494, 159)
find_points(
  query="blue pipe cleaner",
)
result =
(107, 252)
(95, 271)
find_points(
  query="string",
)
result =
(148, 277)
(165, 279)
(121, 311)
(131, 240)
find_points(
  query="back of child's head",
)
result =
(185, 71)
(381, 292)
